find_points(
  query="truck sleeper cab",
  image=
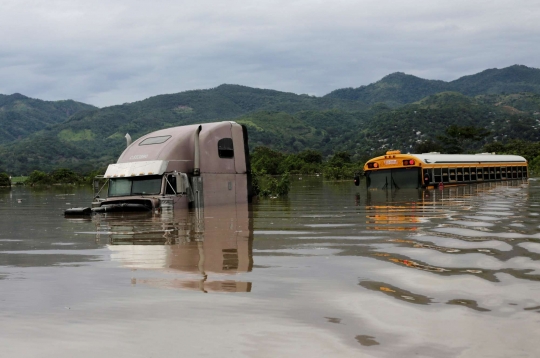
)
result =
(179, 168)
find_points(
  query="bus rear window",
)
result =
(399, 178)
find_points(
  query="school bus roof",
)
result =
(430, 158)
(437, 158)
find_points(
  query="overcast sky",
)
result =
(115, 51)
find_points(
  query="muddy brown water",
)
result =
(330, 271)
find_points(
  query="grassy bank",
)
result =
(18, 180)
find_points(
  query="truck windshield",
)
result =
(147, 185)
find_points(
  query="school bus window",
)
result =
(453, 174)
(445, 175)
(438, 175)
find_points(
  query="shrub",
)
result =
(266, 159)
(65, 176)
(265, 185)
(346, 171)
(39, 178)
(4, 180)
(534, 166)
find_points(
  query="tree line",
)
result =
(271, 169)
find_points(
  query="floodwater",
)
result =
(331, 271)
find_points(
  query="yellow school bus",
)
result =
(430, 170)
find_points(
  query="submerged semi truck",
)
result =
(177, 168)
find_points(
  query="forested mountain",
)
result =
(288, 122)
(398, 88)
(21, 115)
(94, 138)
(429, 118)
(514, 102)
(513, 79)
(381, 128)
(394, 90)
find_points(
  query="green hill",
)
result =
(364, 133)
(325, 131)
(371, 132)
(94, 138)
(513, 79)
(21, 116)
(402, 113)
(514, 102)
(394, 90)
(399, 89)
(425, 120)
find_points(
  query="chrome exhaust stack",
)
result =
(197, 160)
(196, 183)
(128, 140)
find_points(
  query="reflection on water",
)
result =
(450, 238)
(396, 292)
(333, 270)
(216, 240)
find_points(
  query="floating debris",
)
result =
(366, 340)
(419, 266)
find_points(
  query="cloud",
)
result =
(107, 53)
